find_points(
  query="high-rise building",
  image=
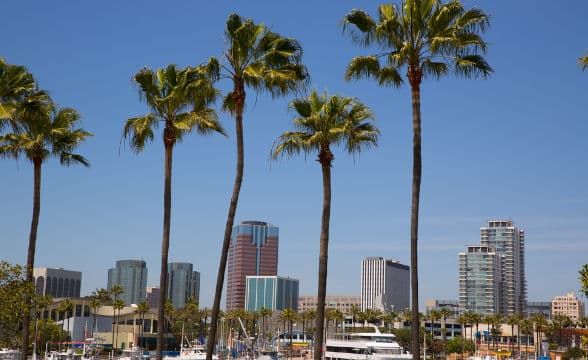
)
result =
(385, 285)
(271, 292)
(509, 242)
(480, 280)
(253, 252)
(57, 283)
(132, 276)
(183, 283)
(568, 305)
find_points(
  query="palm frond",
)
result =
(228, 104)
(472, 66)
(363, 66)
(360, 26)
(432, 68)
(390, 76)
(67, 159)
(583, 62)
(139, 131)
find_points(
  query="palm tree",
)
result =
(98, 298)
(289, 315)
(583, 276)
(475, 318)
(512, 320)
(66, 308)
(445, 312)
(306, 317)
(540, 323)
(325, 121)
(41, 131)
(354, 312)
(583, 62)
(526, 326)
(264, 313)
(142, 309)
(264, 61)
(463, 320)
(179, 99)
(429, 38)
(114, 291)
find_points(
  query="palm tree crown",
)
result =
(583, 62)
(179, 98)
(428, 37)
(324, 121)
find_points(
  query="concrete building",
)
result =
(132, 276)
(271, 292)
(183, 283)
(434, 304)
(480, 280)
(153, 296)
(57, 283)
(253, 251)
(508, 241)
(568, 305)
(343, 303)
(385, 285)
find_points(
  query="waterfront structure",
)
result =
(385, 285)
(253, 251)
(568, 305)
(152, 296)
(271, 292)
(183, 283)
(343, 303)
(132, 276)
(57, 283)
(480, 280)
(539, 307)
(508, 241)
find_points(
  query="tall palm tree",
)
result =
(16, 84)
(115, 291)
(142, 309)
(428, 38)
(306, 317)
(540, 323)
(262, 60)
(354, 311)
(40, 131)
(179, 100)
(98, 298)
(324, 121)
(434, 316)
(265, 313)
(475, 318)
(463, 320)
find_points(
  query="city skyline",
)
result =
(512, 147)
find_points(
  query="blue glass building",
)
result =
(271, 292)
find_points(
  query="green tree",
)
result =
(117, 305)
(180, 100)
(445, 312)
(115, 291)
(463, 320)
(526, 326)
(41, 131)
(324, 121)
(307, 317)
(14, 290)
(16, 84)
(540, 324)
(354, 311)
(262, 60)
(98, 298)
(428, 38)
(264, 313)
(513, 320)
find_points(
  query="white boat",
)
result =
(133, 353)
(9, 354)
(365, 346)
(194, 351)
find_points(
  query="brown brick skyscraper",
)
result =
(253, 251)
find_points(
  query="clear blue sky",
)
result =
(513, 146)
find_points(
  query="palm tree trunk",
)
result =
(415, 76)
(168, 144)
(26, 321)
(325, 158)
(229, 225)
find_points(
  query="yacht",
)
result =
(195, 351)
(9, 354)
(365, 346)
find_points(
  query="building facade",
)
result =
(434, 304)
(568, 305)
(57, 283)
(343, 303)
(152, 296)
(539, 307)
(132, 276)
(271, 292)
(509, 242)
(480, 280)
(183, 283)
(253, 251)
(385, 285)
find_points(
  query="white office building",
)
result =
(385, 285)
